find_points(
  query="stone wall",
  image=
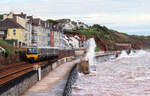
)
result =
(74, 73)
(21, 84)
(104, 58)
(71, 80)
(45, 69)
(18, 86)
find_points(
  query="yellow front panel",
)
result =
(32, 56)
(35, 56)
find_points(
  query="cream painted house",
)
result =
(24, 22)
(15, 33)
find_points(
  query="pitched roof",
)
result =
(9, 23)
(22, 15)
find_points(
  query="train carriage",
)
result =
(40, 53)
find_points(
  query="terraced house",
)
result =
(12, 32)
(41, 31)
(23, 30)
(22, 19)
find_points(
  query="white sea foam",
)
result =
(128, 76)
(91, 54)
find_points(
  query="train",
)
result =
(36, 53)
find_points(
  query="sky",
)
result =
(129, 16)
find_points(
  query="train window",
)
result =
(32, 51)
(39, 51)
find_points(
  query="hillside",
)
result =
(107, 38)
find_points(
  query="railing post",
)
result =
(39, 73)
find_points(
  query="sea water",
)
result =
(127, 75)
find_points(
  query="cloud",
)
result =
(119, 19)
(118, 14)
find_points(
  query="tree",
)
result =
(52, 21)
(96, 26)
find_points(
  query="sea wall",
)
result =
(74, 73)
(71, 80)
(103, 58)
(19, 85)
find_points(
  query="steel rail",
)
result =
(11, 72)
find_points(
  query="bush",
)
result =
(97, 49)
(7, 52)
(9, 48)
(52, 21)
(1, 16)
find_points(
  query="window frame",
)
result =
(2, 33)
(14, 31)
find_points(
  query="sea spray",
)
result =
(134, 53)
(124, 77)
(124, 53)
(91, 54)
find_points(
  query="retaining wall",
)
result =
(71, 80)
(19, 85)
(104, 58)
(74, 74)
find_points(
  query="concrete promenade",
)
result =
(53, 84)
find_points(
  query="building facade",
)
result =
(24, 22)
(12, 32)
(41, 32)
(30, 31)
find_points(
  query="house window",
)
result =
(48, 34)
(48, 39)
(14, 31)
(35, 28)
(35, 38)
(1, 32)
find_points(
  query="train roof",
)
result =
(43, 47)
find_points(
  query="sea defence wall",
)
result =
(19, 85)
(102, 57)
(83, 67)
(71, 80)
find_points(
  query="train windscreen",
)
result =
(31, 50)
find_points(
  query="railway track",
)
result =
(11, 72)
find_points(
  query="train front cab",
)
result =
(32, 54)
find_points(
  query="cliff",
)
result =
(106, 39)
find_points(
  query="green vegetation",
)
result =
(3, 42)
(1, 16)
(95, 30)
(97, 49)
(106, 38)
(12, 54)
(52, 21)
(141, 37)
(9, 49)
